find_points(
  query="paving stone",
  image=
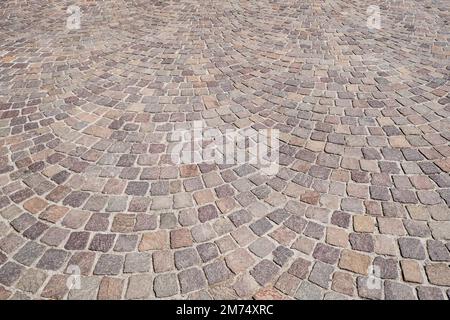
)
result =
(137, 262)
(385, 245)
(145, 222)
(438, 274)
(261, 226)
(326, 253)
(56, 287)
(355, 262)
(387, 267)
(53, 259)
(314, 230)
(87, 174)
(102, 242)
(193, 184)
(391, 226)
(321, 274)
(137, 188)
(157, 240)
(126, 243)
(308, 291)
(10, 272)
(191, 280)
(180, 238)
(54, 236)
(163, 261)
(223, 226)
(283, 236)
(343, 283)
(217, 272)
(440, 230)
(77, 241)
(206, 213)
(186, 258)
(337, 237)
(296, 224)
(363, 224)
(207, 251)
(281, 255)
(187, 217)
(429, 293)
(411, 248)
(362, 242)
(84, 261)
(264, 272)
(417, 228)
(341, 219)
(29, 253)
(262, 247)
(398, 291)
(110, 288)
(139, 287)
(123, 223)
(108, 264)
(245, 286)
(203, 232)
(97, 222)
(287, 283)
(23, 222)
(88, 289)
(32, 280)
(240, 217)
(437, 251)
(226, 244)
(369, 288)
(278, 216)
(411, 271)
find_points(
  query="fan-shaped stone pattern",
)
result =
(87, 183)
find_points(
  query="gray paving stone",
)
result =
(137, 262)
(264, 272)
(191, 280)
(108, 264)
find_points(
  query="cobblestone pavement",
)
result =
(359, 208)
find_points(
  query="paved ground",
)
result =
(359, 208)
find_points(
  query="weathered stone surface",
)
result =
(217, 272)
(110, 288)
(140, 287)
(438, 274)
(191, 280)
(165, 285)
(109, 264)
(411, 248)
(398, 291)
(10, 273)
(308, 291)
(106, 165)
(157, 240)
